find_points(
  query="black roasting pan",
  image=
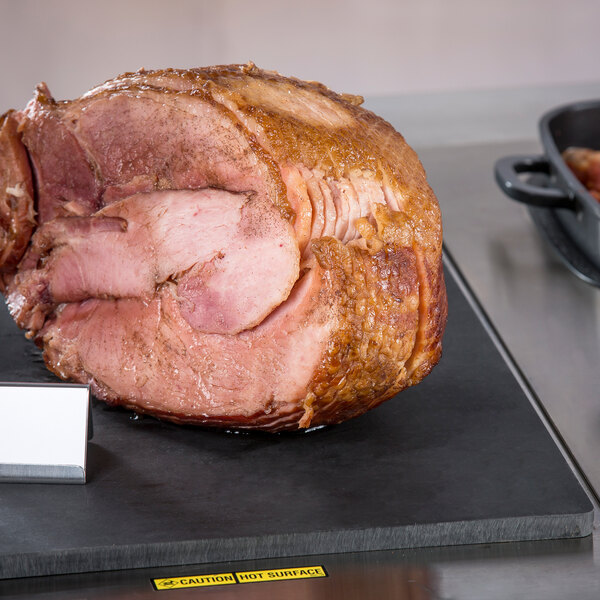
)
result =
(561, 207)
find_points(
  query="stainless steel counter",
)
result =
(549, 319)
(549, 322)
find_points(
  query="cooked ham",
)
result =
(221, 246)
(585, 164)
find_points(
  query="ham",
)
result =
(222, 246)
(585, 164)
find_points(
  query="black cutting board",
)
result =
(461, 458)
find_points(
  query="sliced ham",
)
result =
(221, 246)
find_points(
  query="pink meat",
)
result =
(230, 377)
(130, 247)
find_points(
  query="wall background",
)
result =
(370, 47)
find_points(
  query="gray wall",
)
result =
(370, 47)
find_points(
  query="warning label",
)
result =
(238, 577)
(174, 583)
(280, 574)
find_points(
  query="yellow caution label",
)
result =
(237, 577)
(280, 574)
(176, 583)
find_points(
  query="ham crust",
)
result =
(222, 246)
(17, 217)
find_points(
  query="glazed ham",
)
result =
(221, 246)
(585, 164)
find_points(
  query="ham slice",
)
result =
(221, 246)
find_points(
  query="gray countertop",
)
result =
(549, 322)
(548, 319)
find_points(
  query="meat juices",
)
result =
(222, 246)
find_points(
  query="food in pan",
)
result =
(222, 246)
(585, 164)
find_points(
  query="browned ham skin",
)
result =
(17, 218)
(222, 246)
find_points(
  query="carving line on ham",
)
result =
(221, 246)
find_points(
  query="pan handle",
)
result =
(507, 172)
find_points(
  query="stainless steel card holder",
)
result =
(43, 432)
